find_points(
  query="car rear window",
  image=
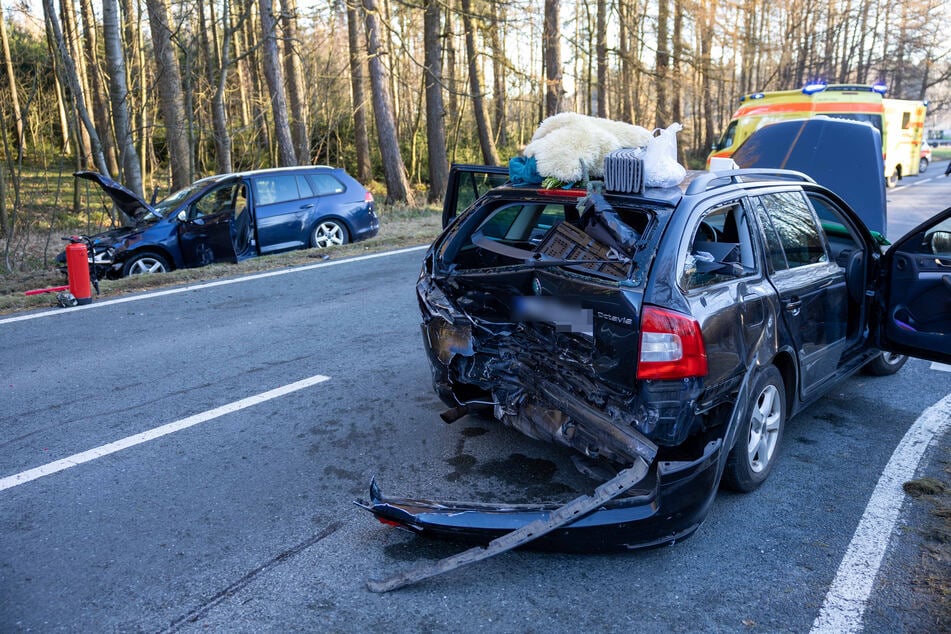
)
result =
(515, 232)
(326, 184)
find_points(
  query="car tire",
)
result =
(328, 233)
(885, 364)
(892, 180)
(922, 166)
(757, 440)
(145, 263)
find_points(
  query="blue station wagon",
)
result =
(231, 217)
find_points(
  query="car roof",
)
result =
(697, 183)
(278, 170)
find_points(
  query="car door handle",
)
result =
(943, 262)
(307, 206)
(793, 305)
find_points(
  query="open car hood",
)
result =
(855, 171)
(125, 199)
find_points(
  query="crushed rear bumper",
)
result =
(665, 507)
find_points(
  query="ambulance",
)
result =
(904, 132)
(900, 122)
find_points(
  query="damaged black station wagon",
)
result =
(672, 329)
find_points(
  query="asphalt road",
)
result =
(241, 520)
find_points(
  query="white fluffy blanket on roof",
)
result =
(570, 146)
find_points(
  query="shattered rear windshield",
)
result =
(592, 236)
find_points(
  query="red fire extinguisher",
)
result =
(77, 269)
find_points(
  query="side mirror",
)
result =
(941, 243)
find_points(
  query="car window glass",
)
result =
(522, 222)
(837, 229)
(721, 249)
(796, 228)
(217, 201)
(276, 189)
(303, 186)
(325, 184)
(774, 248)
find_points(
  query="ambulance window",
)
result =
(905, 120)
(727, 139)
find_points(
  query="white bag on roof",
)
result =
(661, 168)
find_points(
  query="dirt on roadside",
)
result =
(932, 572)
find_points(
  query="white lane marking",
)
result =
(845, 602)
(912, 184)
(137, 439)
(195, 287)
(941, 367)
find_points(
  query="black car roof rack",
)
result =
(712, 180)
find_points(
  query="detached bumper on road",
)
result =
(665, 507)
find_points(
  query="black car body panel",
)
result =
(651, 326)
(229, 217)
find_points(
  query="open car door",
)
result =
(916, 292)
(466, 184)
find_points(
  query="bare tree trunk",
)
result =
(358, 95)
(217, 63)
(601, 53)
(72, 79)
(662, 66)
(676, 108)
(131, 18)
(131, 174)
(435, 114)
(551, 45)
(70, 40)
(296, 94)
(705, 24)
(489, 154)
(12, 83)
(394, 171)
(243, 76)
(496, 36)
(100, 106)
(273, 73)
(625, 53)
(171, 99)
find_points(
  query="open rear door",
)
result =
(916, 292)
(466, 184)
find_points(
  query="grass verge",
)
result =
(399, 227)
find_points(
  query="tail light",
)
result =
(368, 198)
(671, 346)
